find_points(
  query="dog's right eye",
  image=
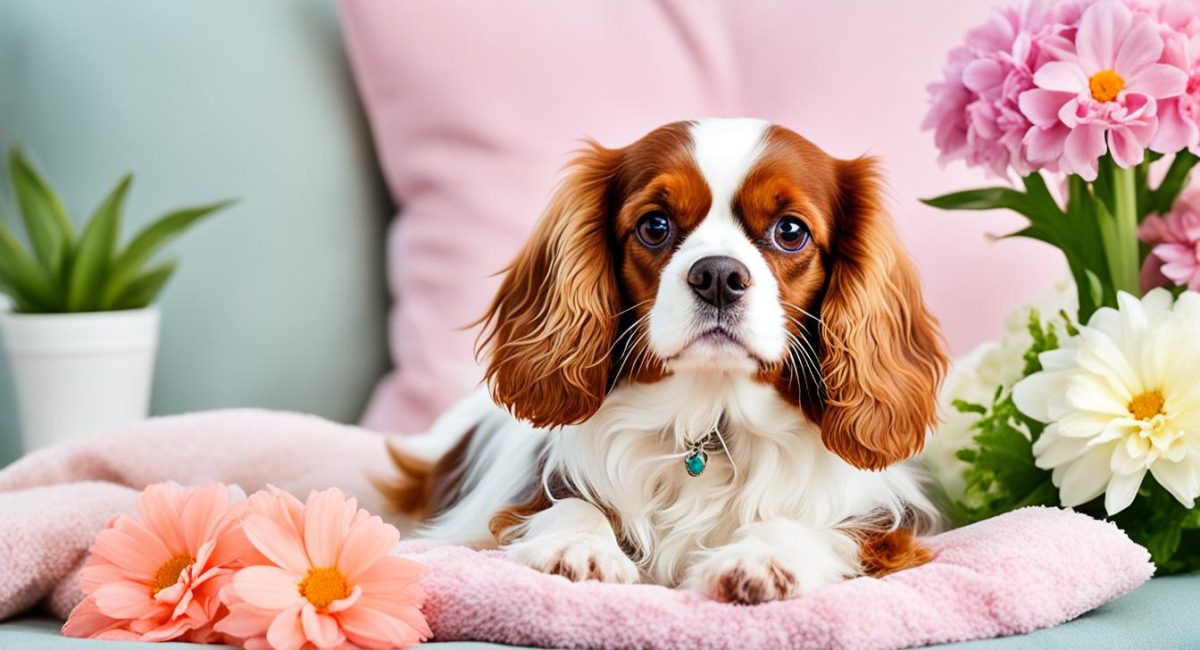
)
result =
(653, 229)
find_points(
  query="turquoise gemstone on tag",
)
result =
(695, 462)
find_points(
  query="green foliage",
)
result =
(1002, 475)
(91, 272)
(1095, 230)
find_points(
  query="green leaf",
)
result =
(95, 250)
(988, 198)
(963, 406)
(45, 218)
(145, 287)
(1034, 208)
(148, 243)
(1163, 197)
(27, 283)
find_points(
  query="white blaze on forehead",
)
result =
(725, 150)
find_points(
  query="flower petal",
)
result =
(124, 599)
(277, 544)
(202, 511)
(86, 621)
(1158, 81)
(1082, 150)
(159, 507)
(133, 549)
(373, 628)
(245, 621)
(320, 629)
(1126, 150)
(1052, 450)
(1121, 491)
(286, 632)
(367, 542)
(1041, 106)
(1100, 29)
(1084, 479)
(1061, 76)
(1140, 47)
(1182, 480)
(347, 602)
(267, 587)
(1034, 394)
(327, 514)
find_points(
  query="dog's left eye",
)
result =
(653, 229)
(790, 234)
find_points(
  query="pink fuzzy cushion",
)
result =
(475, 106)
(1029, 569)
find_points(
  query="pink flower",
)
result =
(1175, 257)
(324, 578)
(157, 577)
(1105, 94)
(1179, 117)
(975, 113)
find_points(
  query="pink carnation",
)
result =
(975, 114)
(1105, 92)
(1179, 117)
(1175, 257)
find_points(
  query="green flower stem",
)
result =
(1123, 241)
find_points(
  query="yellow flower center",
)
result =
(1106, 85)
(168, 573)
(1147, 405)
(323, 586)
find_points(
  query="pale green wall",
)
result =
(279, 302)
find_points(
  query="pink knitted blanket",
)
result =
(1030, 569)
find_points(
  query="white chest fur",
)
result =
(628, 459)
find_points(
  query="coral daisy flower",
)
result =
(1106, 94)
(158, 577)
(324, 579)
(1120, 400)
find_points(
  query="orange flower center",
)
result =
(1147, 405)
(1106, 85)
(323, 586)
(168, 573)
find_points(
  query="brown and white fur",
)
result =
(818, 371)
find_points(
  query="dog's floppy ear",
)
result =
(884, 356)
(550, 329)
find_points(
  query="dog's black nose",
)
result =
(719, 280)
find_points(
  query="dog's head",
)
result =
(725, 246)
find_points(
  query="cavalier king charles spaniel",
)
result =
(704, 368)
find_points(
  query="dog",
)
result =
(703, 371)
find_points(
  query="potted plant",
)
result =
(82, 328)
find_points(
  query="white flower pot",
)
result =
(80, 374)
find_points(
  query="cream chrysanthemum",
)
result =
(1122, 399)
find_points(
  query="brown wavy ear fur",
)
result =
(884, 356)
(550, 328)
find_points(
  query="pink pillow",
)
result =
(475, 107)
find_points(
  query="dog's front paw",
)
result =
(582, 558)
(773, 561)
(733, 576)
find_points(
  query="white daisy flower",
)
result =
(1122, 399)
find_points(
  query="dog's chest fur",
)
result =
(628, 459)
